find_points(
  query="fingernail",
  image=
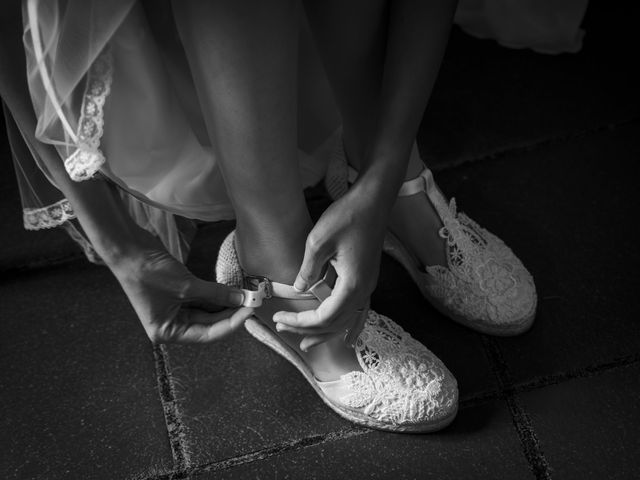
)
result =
(236, 298)
(279, 327)
(299, 286)
(277, 317)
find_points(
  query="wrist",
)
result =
(115, 235)
(379, 184)
(373, 195)
(125, 248)
(385, 169)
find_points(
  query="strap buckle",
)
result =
(256, 289)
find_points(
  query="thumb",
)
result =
(211, 294)
(311, 269)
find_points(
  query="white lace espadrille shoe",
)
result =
(402, 387)
(484, 285)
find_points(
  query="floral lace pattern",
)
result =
(484, 281)
(49, 216)
(87, 159)
(402, 381)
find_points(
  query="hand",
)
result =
(349, 237)
(173, 305)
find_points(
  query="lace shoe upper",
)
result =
(401, 381)
(483, 281)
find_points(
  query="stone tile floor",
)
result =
(85, 395)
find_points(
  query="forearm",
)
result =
(417, 37)
(98, 207)
(114, 234)
(96, 202)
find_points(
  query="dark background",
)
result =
(542, 150)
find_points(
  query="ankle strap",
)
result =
(257, 288)
(352, 174)
(423, 183)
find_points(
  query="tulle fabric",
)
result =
(92, 64)
(117, 101)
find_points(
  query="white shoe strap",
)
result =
(257, 288)
(423, 183)
(352, 175)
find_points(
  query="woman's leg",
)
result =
(243, 59)
(354, 55)
(242, 56)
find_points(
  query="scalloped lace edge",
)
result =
(49, 216)
(87, 159)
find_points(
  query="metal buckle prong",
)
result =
(256, 289)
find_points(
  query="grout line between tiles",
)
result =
(532, 145)
(531, 447)
(176, 429)
(551, 379)
(588, 371)
(275, 450)
(530, 443)
(468, 402)
(39, 264)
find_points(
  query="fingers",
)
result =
(343, 299)
(349, 335)
(340, 300)
(341, 323)
(313, 340)
(196, 326)
(354, 331)
(211, 295)
(313, 264)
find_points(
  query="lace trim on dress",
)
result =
(87, 159)
(49, 216)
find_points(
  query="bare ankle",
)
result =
(276, 251)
